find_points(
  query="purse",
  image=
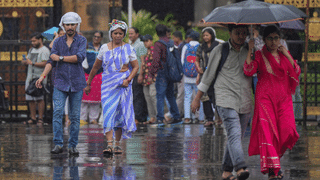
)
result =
(32, 90)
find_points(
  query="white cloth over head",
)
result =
(70, 18)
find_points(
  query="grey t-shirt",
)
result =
(232, 87)
(36, 55)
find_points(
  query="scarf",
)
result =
(115, 24)
(207, 49)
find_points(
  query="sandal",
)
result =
(117, 149)
(218, 122)
(151, 121)
(280, 174)
(109, 149)
(243, 175)
(40, 121)
(272, 176)
(187, 121)
(229, 178)
(30, 121)
(209, 123)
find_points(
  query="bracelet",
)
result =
(128, 80)
(43, 76)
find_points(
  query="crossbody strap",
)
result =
(224, 56)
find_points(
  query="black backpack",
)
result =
(4, 97)
(173, 62)
(224, 56)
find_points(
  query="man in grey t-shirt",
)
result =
(36, 61)
(233, 97)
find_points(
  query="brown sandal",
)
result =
(151, 121)
(187, 121)
(30, 121)
(40, 121)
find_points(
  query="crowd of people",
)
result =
(126, 84)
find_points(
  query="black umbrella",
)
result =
(296, 25)
(253, 12)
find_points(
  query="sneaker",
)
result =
(73, 151)
(57, 150)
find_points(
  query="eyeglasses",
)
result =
(276, 38)
(98, 37)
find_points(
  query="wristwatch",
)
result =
(61, 58)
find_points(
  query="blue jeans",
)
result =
(164, 89)
(59, 100)
(235, 125)
(188, 90)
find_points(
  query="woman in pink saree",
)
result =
(273, 125)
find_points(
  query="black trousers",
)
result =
(139, 102)
(208, 111)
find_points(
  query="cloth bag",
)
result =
(32, 90)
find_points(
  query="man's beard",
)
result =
(36, 46)
(70, 34)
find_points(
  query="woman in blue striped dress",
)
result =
(120, 65)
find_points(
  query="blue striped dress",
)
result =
(117, 101)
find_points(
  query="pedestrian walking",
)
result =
(91, 104)
(178, 41)
(203, 52)
(120, 65)
(67, 55)
(139, 102)
(273, 125)
(188, 59)
(233, 97)
(164, 87)
(149, 87)
(36, 60)
(57, 34)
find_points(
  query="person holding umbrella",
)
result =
(233, 97)
(273, 125)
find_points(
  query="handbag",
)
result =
(32, 90)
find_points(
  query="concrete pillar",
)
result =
(94, 14)
(202, 8)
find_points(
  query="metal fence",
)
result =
(14, 73)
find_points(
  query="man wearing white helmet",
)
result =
(67, 55)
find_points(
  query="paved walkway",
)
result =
(184, 152)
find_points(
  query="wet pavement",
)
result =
(180, 152)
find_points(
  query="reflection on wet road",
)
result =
(181, 152)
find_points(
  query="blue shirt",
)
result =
(69, 76)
